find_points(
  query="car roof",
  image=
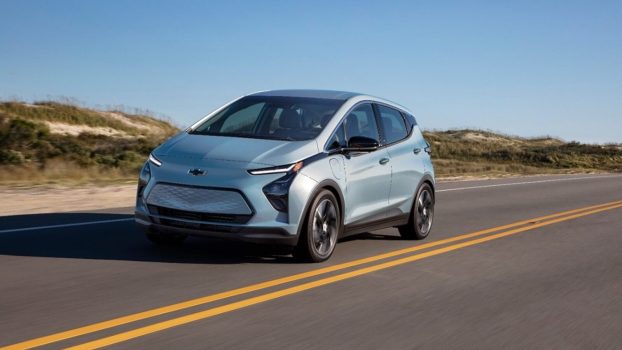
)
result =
(327, 94)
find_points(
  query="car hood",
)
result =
(252, 152)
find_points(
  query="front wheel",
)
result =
(322, 227)
(421, 216)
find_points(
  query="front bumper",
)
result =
(228, 203)
(246, 233)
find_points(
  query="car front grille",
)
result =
(193, 200)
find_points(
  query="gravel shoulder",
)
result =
(45, 199)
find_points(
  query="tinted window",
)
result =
(243, 120)
(339, 138)
(272, 117)
(392, 124)
(361, 122)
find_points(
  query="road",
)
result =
(515, 263)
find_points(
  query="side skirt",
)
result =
(356, 228)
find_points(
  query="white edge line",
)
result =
(65, 225)
(527, 182)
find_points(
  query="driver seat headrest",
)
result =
(290, 119)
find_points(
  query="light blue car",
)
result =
(301, 168)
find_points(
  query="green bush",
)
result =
(27, 143)
(519, 155)
(11, 157)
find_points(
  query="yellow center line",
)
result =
(156, 327)
(95, 327)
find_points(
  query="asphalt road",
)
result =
(541, 282)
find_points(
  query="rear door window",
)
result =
(393, 124)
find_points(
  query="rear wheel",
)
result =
(421, 216)
(165, 239)
(322, 227)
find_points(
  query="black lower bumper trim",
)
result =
(191, 215)
(262, 235)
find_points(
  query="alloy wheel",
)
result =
(325, 227)
(425, 211)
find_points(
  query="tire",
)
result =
(165, 239)
(421, 215)
(321, 230)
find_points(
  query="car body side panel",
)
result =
(300, 193)
(407, 170)
(322, 171)
(367, 186)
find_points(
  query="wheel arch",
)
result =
(331, 186)
(427, 178)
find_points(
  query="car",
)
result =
(300, 168)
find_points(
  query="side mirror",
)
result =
(361, 144)
(428, 148)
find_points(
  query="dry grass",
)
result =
(51, 142)
(32, 151)
(477, 152)
(61, 172)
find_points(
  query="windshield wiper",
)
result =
(244, 135)
(286, 138)
(232, 134)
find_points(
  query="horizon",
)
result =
(130, 110)
(524, 69)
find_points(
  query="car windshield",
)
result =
(272, 117)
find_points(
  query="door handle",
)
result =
(417, 150)
(384, 161)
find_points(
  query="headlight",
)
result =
(290, 168)
(155, 161)
(277, 191)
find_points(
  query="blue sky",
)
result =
(529, 68)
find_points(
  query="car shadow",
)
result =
(371, 236)
(120, 239)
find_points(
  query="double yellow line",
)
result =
(465, 239)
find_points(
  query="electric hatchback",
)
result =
(301, 168)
